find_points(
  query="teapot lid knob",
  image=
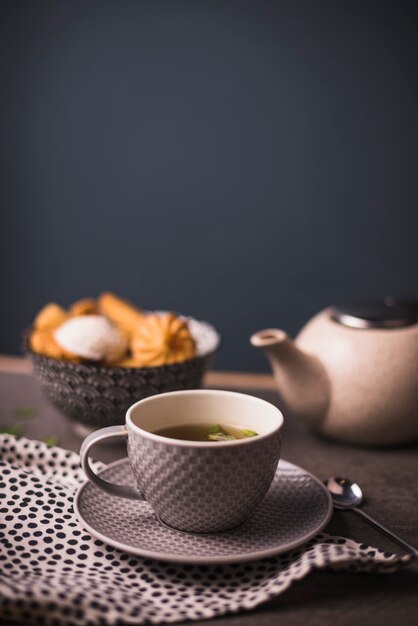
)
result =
(387, 313)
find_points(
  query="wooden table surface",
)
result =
(388, 478)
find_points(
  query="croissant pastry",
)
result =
(123, 314)
(43, 342)
(162, 339)
(50, 317)
(86, 306)
(42, 338)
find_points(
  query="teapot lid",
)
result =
(385, 313)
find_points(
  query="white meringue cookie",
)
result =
(92, 337)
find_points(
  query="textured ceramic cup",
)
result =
(196, 486)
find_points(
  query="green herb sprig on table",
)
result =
(14, 417)
(51, 441)
(25, 412)
(16, 430)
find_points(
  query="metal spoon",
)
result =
(348, 495)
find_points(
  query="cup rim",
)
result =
(203, 444)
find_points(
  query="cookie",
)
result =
(86, 306)
(43, 342)
(162, 339)
(123, 314)
(51, 316)
(129, 361)
(92, 337)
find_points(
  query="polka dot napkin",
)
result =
(53, 572)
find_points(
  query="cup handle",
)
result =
(111, 432)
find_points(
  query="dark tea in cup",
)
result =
(205, 432)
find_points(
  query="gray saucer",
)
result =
(296, 508)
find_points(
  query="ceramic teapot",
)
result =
(352, 371)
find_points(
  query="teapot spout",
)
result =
(268, 339)
(302, 381)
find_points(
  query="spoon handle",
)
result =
(385, 531)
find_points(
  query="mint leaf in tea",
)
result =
(205, 432)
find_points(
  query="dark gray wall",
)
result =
(244, 162)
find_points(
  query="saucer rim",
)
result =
(202, 560)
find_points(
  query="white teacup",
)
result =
(196, 486)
